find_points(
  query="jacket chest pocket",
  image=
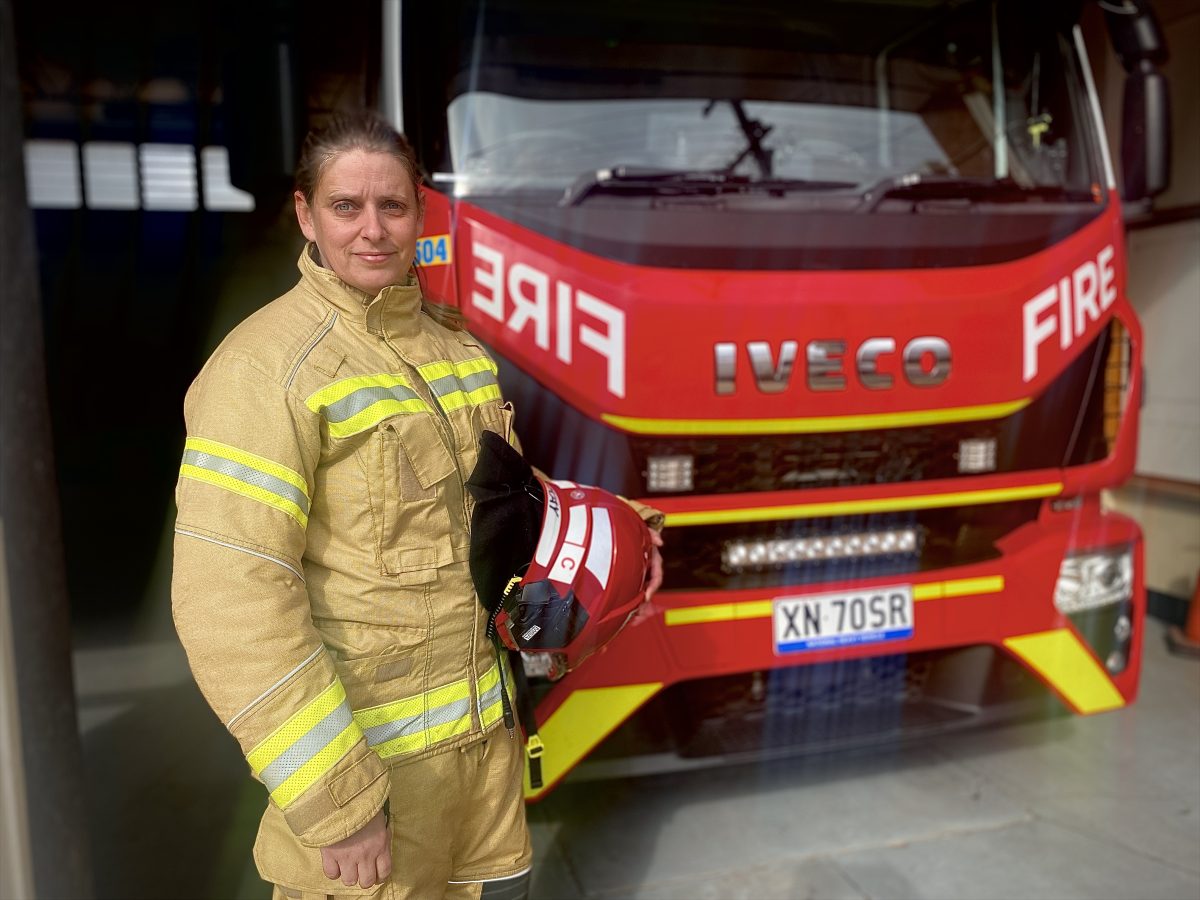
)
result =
(415, 473)
(495, 416)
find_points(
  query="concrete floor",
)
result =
(1107, 806)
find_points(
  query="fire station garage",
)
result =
(885, 312)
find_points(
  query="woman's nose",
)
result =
(372, 224)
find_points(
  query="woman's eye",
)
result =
(343, 206)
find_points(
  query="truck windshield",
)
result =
(847, 98)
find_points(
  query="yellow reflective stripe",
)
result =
(301, 733)
(493, 710)
(762, 609)
(407, 743)
(389, 712)
(718, 612)
(300, 723)
(434, 370)
(491, 714)
(452, 400)
(856, 507)
(931, 591)
(818, 424)
(439, 733)
(262, 495)
(458, 400)
(961, 587)
(442, 367)
(283, 473)
(401, 717)
(342, 389)
(414, 723)
(376, 413)
(483, 394)
(315, 768)
(346, 414)
(583, 720)
(448, 694)
(489, 679)
(1069, 668)
(478, 364)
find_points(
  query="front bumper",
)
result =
(1005, 602)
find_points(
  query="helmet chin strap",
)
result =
(534, 748)
(509, 591)
(533, 744)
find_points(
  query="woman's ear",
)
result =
(304, 216)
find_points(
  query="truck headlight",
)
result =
(669, 473)
(1094, 579)
(977, 455)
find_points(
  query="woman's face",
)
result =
(365, 217)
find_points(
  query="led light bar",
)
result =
(737, 556)
(669, 473)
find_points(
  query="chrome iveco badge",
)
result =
(925, 362)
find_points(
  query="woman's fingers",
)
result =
(329, 865)
(656, 569)
(364, 858)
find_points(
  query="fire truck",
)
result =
(838, 287)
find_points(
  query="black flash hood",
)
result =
(507, 518)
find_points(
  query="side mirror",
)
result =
(1146, 114)
(1145, 134)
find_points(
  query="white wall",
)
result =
(1164, 285)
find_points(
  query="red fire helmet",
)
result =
(586, 578)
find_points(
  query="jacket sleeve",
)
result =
(653, 517)
(241, 607)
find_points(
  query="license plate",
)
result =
(819, 621)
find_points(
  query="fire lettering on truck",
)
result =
(519, 296)
(1068, 307)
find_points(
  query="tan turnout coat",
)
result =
(321, 586)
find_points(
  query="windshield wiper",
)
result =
(755, 131)
(915, 186)
(635, 181)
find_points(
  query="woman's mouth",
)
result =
(374, 257)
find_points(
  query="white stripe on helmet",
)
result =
(600, 548)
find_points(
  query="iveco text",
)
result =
(925, 362)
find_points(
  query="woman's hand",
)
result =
(656, 565)
(364, 858)
(646, 609)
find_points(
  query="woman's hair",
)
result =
(354, 130)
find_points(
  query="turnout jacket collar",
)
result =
(395, 312)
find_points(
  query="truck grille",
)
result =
(947, 537)
(791, 462)
(1043, 435)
